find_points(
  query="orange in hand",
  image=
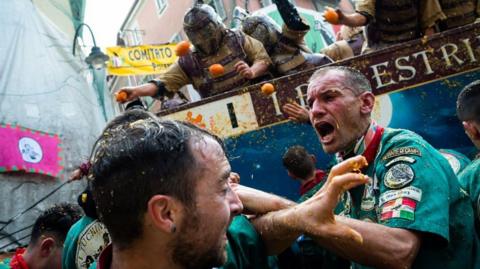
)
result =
(267, 88)
(121, 96)
(182, 48)
(216, 70)
(331, 15)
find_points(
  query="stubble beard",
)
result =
(186, 253)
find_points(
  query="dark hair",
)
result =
(468, 102)
(298, 162)
(354, 79)
(136, 159)
(86, 202)
(56, 221)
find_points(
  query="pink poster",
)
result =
(29, 151)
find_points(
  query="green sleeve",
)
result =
(245, 248)
(414, 187)
(469, 179)
(5, 264)
(70, 244)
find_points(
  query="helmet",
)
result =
(262, 28)
(204, 28)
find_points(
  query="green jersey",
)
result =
(469, 179)
(414, 188)
(83, 244)
(245, 248)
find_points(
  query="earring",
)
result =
(173, 228)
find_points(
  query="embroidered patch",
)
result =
(401, 151)
(93, 239)
(402, 208)
(400, 159)
(398, 176)
(368, 199)
(453, 161)
(408, 192)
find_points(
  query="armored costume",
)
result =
(214, 44)
(458, 12)
(286, 47)
(395, 21)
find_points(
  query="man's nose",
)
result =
(236, 206)
(317, 110)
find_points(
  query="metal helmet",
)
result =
(204, 28)
(262, 28)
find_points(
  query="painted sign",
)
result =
(140, 60)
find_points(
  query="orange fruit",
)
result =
(330, 15)
(216, 70)
(182, 48)
(267, 88)
(121, 96)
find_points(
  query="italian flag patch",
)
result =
(403, 208)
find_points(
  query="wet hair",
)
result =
(55, 221)
(298, 162)
(134, 160)
(354, 79)
(468, 102)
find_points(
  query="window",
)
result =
(161, 5)
(218, 6)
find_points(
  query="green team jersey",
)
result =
(457, 160)
(469, 179)
(5, 264)
(83, 244)
(414, 188)
(245, 248)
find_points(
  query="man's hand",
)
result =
(76, 174)
(317, 213)
(133, 93)
(296, 112)
(244, 70)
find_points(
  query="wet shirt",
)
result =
(469, 179)
(245, 248)
(174, 77)
(414, 188)
(457, 160)
(83, 244)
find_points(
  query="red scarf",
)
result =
(17, 261)
(368, 143)
(319, 176)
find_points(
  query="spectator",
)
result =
(468, 111)
(46, 242)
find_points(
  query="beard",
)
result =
(185, 250)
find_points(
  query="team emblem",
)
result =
(398, 176)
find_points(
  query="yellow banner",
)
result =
(140, 60)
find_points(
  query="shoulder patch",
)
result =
(93, 239)
(400, 159)
(410, 192)
(398, 176)
(401, 151)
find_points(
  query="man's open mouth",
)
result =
(325, 130)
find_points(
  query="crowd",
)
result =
(162, 194)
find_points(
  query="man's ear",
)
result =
(368, 101)
(164, 212)
(471, 130)
(47, 246)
